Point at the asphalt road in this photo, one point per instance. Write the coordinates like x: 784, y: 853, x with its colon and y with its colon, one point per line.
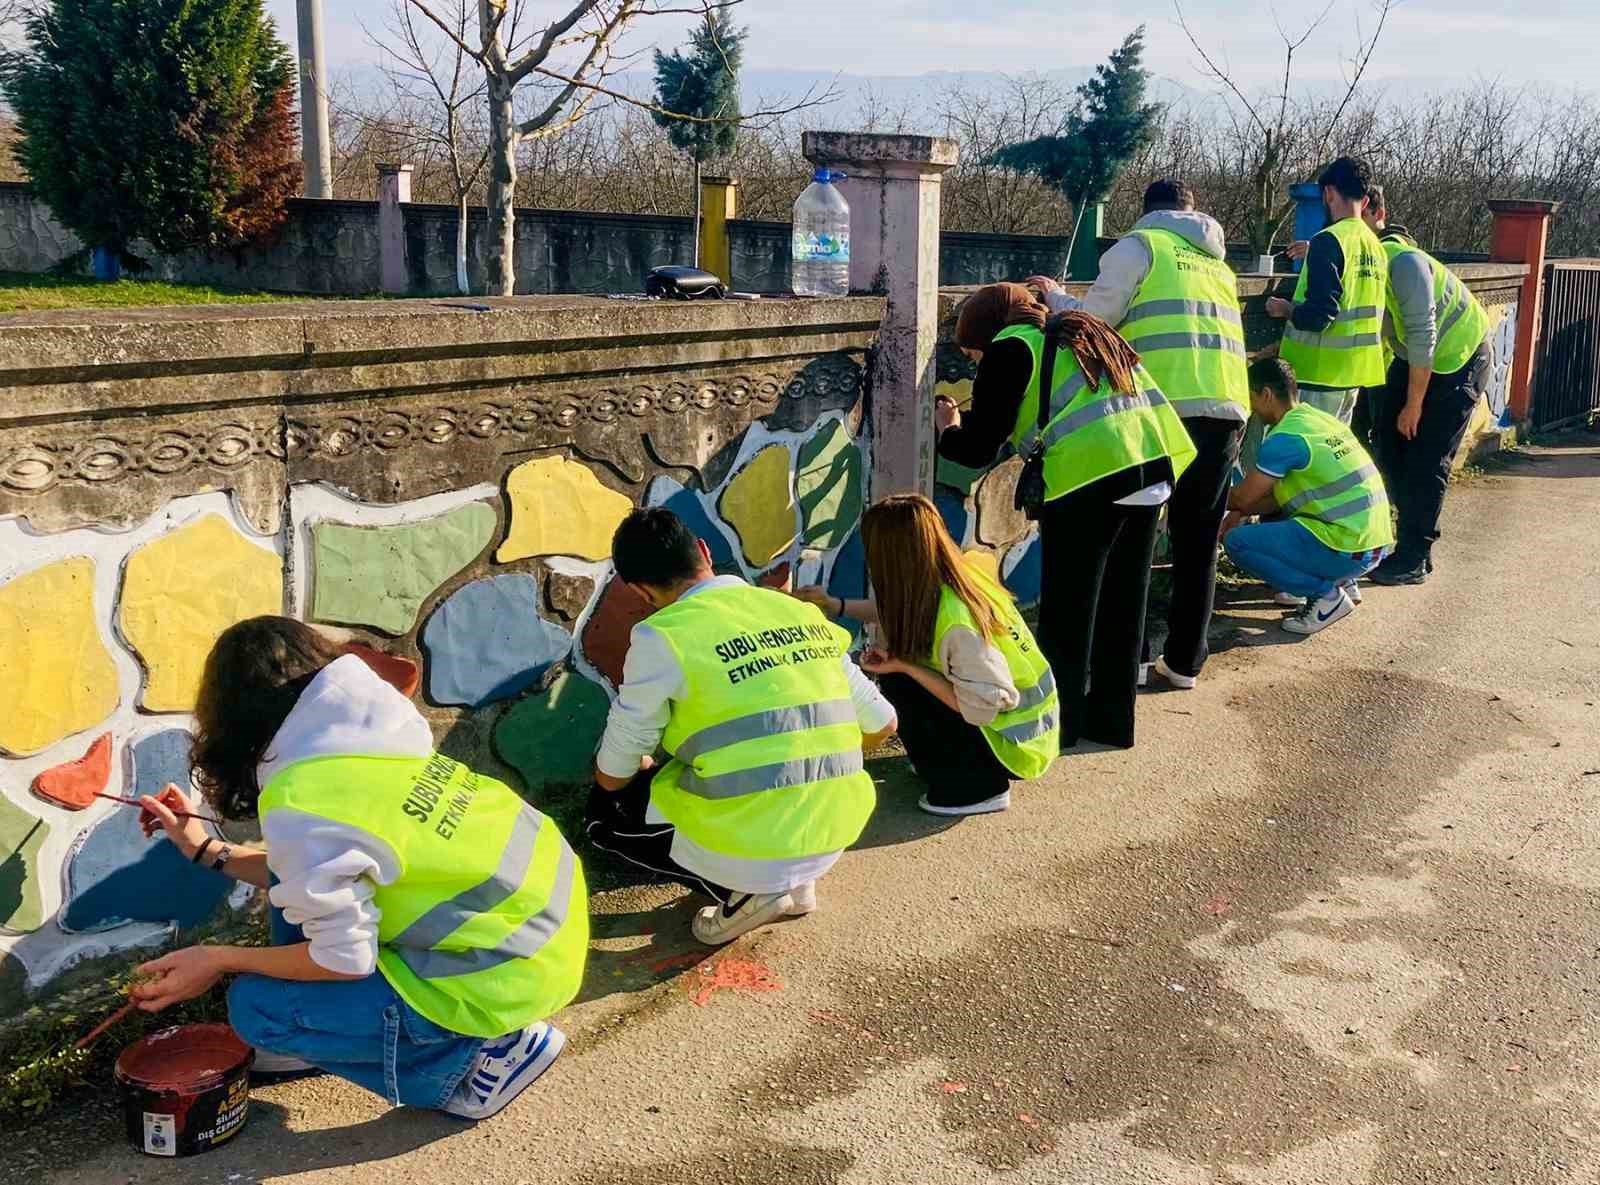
x: 1332, y: 922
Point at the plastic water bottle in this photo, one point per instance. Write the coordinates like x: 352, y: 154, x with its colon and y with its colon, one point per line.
x: 820, y: 253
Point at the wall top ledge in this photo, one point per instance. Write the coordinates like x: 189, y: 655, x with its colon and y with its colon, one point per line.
x: 933, y: 153
x: 1529, y: 207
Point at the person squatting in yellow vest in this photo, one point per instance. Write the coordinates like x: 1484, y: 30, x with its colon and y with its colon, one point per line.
x: 1333, y: 338
x: 974, y: 698
x: 759, y: 717
x: 1326, y: 516
x: 426, y: 921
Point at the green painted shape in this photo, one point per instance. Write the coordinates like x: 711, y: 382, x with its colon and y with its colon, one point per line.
x: 382, y: 576
x: 958, y: 477
x: 550, y: 738
x: 828, y: 483
x: 21, y: 837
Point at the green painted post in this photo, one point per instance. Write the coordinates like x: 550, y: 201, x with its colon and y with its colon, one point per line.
x: 1085, y: 261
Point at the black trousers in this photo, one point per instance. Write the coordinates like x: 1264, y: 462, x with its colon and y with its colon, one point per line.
x: 1417, y: 471
x: 1194, y: 516
x: 615, y: 822
x: 1094, y: 592
x: 951, y: 756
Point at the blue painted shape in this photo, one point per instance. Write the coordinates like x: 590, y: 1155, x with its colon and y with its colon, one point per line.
x: 161, y: 758
x: 1024, y: 580
x: 1310, y: 215
x: 953, y: 509
x: 687, y: 505
x: 116, y: 875
x: 849, y: 577
x: 487, y: 642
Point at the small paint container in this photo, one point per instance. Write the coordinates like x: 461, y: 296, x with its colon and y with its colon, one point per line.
x: 185, y: 1090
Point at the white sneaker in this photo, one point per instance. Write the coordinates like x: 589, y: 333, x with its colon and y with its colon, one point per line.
x: 505, y: 1068
x: 279, y: 1065
x: 1144, y: 673
x: 1181, y: 682
x: 1320, y: 614
x: 1353, y: 591
x: 1289, y: 599
x: 988, y: 806
x: 803, y: 899
x: 717, y: 925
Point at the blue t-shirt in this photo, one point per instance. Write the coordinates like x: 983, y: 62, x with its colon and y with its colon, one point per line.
x: 1282, y: 453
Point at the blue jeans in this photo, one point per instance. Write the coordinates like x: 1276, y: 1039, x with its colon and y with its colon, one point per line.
x: 1293, y: 560
x: 359, y: 1029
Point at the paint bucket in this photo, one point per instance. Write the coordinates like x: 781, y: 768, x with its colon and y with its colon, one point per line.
x: 185, y: 1090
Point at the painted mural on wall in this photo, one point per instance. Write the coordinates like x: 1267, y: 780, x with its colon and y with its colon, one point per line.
x: 494, y: 599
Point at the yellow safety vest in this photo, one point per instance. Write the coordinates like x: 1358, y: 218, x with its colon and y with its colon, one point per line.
x: 486, y: 929
x: 1461, y: 322
x: 1349, y: 353
x: 766, y: 748
x: 1339, y: 496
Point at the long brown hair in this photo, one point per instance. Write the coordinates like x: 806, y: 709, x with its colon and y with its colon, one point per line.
x: 1098, y: 349
x: 253, y: 677
x: 910, y: 557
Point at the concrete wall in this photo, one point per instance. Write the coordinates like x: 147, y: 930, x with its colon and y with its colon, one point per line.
x: 439, y: 481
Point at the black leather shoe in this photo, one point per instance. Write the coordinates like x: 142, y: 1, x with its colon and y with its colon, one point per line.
x: 1393, y: 574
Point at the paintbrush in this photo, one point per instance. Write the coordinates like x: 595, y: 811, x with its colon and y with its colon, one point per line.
x: 140, y: 805
x: 100, y: 1028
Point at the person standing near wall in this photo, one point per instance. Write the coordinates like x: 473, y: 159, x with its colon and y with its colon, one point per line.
x: 1167, y: 288
x: 1333, y: 338
x: 1114, y: 446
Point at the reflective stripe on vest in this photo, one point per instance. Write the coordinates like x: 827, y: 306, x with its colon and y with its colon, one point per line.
x: 1338, y: 496
x: 1184, y: 321
x: 766, y: 747
x: 1460, y: 320
x: 1094, y: 433
x: 1349, y: 353
x: 486, y: 928
x: 1027, y: 738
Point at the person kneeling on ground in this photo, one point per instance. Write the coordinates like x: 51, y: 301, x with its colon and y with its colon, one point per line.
x: 426, y: 919
x: 764, y: 716
x: 1332, y: 515
x: 974, y: 696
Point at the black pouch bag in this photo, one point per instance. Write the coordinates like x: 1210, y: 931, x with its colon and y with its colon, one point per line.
x: 1030, y: 493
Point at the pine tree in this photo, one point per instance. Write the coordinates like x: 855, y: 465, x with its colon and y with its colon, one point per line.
x: 704, y: 85
x: 170, y: 121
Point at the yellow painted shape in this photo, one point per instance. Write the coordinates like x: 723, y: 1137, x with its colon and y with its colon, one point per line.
x: 958, y: 392
x: 56, y: 674
x: 558, y: 507
x: 986, y: 562
x: 759, y: 504
x: 179, y: 592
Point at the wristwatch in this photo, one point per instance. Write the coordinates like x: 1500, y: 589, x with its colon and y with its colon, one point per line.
x: 224, y: 854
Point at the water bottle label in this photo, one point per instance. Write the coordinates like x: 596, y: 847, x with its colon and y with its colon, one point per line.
x: 823, y: 248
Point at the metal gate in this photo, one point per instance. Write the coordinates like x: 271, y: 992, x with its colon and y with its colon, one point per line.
x: 1568, y: 383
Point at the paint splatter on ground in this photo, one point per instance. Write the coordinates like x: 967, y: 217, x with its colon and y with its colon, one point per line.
x: 739, y: 975
x: 1217, y: 904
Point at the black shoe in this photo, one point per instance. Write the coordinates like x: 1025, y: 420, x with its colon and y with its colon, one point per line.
x: 1394, y: 574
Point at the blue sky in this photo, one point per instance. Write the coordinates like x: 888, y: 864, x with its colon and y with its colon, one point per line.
x: 1434, y: 41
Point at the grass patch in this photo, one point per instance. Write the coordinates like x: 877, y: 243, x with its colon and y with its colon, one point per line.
x: 22, y: 292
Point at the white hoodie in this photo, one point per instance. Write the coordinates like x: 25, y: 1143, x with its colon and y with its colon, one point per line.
x: 328, y: 872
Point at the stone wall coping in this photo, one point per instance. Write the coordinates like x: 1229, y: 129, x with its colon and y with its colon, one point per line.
x: 862, y: 148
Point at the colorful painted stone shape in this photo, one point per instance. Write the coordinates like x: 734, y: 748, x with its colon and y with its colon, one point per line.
x: 760, y: 507
x: 396, y: 670
x: 116, y: 875
x: 609, y: 630
x: 953, y: 509
x: 21, y: 837
x: 72, y: 785
x: 828, y: 484
x: 487, y: 642
x: 567, y: 596
x: 559, y: 507
x: 382, y: 576
x: 179, y: 592
x: 986, y: 562
x: 550, y: 738
x: 999, y: 521
x: 687, y: 506
x: 1024, y: 579
x: 161, y: 760
x: 849, y: 577
x: 779, y: 577
x: 56, y: 674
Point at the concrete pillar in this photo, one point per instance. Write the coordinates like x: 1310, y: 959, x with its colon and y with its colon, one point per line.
x: 1520, y: 230
x: 719, y: 199
x: 1085, y: 261
x: 893, y: 189
x: 314, y: 101
x: 394, y: 189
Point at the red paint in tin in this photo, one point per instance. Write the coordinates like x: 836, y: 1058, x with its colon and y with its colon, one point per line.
x: 185, y: 1090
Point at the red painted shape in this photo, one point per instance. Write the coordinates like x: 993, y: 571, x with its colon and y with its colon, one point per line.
x: 74, y: 784
x: 609, y: 631
x: 1218, y: 905
x: 777, y: 578
x: 400, y: 673
x: 737, y: 975
x: 953, y: 1087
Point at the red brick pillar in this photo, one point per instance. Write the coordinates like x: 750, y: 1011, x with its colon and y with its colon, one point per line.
x: 1520, y: 230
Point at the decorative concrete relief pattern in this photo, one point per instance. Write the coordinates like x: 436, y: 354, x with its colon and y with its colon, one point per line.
x: 759, y: 505
x: 999, y: 521
x: 986, y: 562
x: 161, y: 760
x: 558, y: 507
x: 550, y: 738
x: 116, y: 875
x: 686, y: 504
x: 180, y: 592
x: 828, y: 484
x: 487, y: 642
x: 382, y: 576
x: 73, y: 785
x: 849, y: 578
x: 1025, y: 571
x: 21, y: 837
x: 568, y: 596
x: 953, y: 509
x: 56, y: 674
x: 609, y: 630
x: 1502, y: 351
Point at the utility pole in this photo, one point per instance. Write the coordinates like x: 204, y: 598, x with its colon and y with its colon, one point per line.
x: 314, y: 101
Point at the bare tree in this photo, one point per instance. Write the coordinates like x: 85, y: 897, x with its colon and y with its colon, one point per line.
x: 1273, y: 116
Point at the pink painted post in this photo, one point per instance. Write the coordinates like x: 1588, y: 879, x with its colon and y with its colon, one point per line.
x: 394, y: 190
x: 893, y: 191
x: 1520, y: 229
